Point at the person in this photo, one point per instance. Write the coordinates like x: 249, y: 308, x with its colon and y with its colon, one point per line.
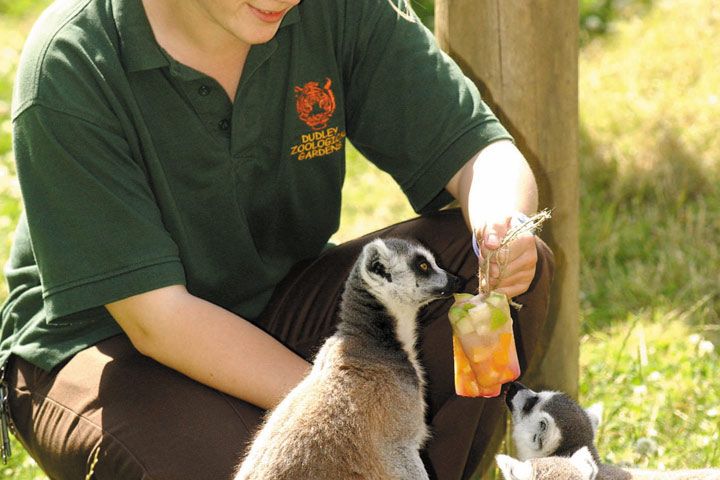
x: 181, y: 164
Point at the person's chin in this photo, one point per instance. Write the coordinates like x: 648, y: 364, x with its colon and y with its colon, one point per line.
x: 259, y: 36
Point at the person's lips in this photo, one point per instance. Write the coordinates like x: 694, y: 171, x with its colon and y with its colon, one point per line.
x: 268, y: 16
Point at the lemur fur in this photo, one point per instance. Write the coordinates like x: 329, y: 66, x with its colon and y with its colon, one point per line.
x: 360, y: 412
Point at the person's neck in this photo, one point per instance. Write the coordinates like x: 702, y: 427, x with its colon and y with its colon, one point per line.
x: 193, y: 38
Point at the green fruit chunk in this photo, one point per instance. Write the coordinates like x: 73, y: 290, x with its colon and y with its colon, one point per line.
x: 456, y: 313
x: 497, y: 299
x: 497, y: 318
x: 462, y: 297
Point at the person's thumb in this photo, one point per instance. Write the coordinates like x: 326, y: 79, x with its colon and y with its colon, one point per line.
x: 494, y: 234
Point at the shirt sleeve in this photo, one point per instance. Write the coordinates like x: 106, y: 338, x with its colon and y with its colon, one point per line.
x: 95, y: 230
x: 411, y: 110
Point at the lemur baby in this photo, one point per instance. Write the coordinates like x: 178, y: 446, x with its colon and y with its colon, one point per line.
x: 551, y: 424
x: 360, y: 412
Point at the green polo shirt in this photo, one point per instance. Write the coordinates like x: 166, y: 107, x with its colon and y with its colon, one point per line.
x: 138, y: 172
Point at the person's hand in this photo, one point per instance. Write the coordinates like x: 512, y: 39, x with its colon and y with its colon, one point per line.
x: 512, y: 268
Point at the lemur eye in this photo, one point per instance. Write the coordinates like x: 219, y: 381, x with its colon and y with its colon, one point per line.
x: 530, y: 404
x: 424, y: 266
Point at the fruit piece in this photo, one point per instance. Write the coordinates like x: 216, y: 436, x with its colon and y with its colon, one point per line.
x: 500, y: 357
x: 480, y: 313
x: 465, y: 383
x: 462, y: 297
x: 467, y: 306
x: 497, y: 317
x: 486, y: 375
x: 456, y: 313
x: 483, y: 330
x: 506, y: 339
x: 471, y: 388
x: 480, y: 353
x: 490, y: 391
x: 497, y: 299
x: 480, y: 316
x: 463, y: 326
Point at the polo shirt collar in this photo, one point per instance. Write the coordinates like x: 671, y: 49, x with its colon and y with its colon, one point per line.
x: 138, y: 48
x: 292, y: 16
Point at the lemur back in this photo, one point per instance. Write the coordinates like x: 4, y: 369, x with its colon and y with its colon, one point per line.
x: 359, y: 414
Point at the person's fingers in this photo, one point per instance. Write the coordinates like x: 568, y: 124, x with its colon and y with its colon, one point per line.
x: 494, y: 232
x: 512, y: 285
x: 520, y: 246
x: 519, y: 255
x: 522, y: 257
x: 516, y: 284
x: 512, y: 290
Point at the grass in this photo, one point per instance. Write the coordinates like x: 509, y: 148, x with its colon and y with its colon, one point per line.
x: 12, y: 35
x: 657, y: 378
x: 650, y: 154
x: 650, y: 220
x: 650, y: 223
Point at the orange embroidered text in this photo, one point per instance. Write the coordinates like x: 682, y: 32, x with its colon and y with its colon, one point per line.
x: 318, y: 144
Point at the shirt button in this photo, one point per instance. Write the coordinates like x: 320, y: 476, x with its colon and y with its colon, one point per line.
x: 204, y: 90
x: 224, y: 124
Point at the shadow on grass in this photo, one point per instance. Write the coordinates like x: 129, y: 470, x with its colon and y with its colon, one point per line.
x: 648, y: 235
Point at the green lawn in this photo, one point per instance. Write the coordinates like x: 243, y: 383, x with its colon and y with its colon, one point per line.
x: 650, y: 224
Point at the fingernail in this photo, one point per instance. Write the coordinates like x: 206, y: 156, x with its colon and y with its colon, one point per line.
x: 492, y: 238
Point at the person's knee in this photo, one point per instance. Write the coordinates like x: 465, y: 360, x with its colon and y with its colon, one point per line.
x: 545, y: 267
x: 533, y: 326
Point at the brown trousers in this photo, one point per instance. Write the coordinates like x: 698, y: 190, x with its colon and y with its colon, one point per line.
x: 146, y: 421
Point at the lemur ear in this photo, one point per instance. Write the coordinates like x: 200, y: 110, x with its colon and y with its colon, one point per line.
x: 595, y: 412
x: 584, y: 461
x: 513, y: 469
x: 376, y: 255
x: 377, y: 267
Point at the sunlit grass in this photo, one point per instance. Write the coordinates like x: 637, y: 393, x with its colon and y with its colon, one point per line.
x: 659, y: 382
x: 12, y: 35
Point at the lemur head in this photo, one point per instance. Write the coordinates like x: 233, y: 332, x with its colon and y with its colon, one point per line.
x: 404, y: 275
x: 549, y: 423
x: 580, y: 466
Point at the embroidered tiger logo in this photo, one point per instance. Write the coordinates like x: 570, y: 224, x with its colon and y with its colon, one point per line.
x: 315, y: 105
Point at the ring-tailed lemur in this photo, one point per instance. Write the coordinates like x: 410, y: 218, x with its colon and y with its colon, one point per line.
x: 360, y: 412
x: 551, y: 424
x: 580, y: 466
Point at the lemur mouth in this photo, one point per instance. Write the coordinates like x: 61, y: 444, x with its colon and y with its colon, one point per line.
x: 537, y: 439
x: 454, y: 284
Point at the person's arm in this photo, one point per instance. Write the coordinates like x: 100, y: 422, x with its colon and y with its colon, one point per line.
x: 492, y: 186
x: 209, y: 344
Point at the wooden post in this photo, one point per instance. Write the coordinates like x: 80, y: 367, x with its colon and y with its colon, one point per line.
x: 523, y: 56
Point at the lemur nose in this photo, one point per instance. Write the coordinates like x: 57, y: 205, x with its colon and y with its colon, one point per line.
x: 455, y: 283
x: 512, y: 389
